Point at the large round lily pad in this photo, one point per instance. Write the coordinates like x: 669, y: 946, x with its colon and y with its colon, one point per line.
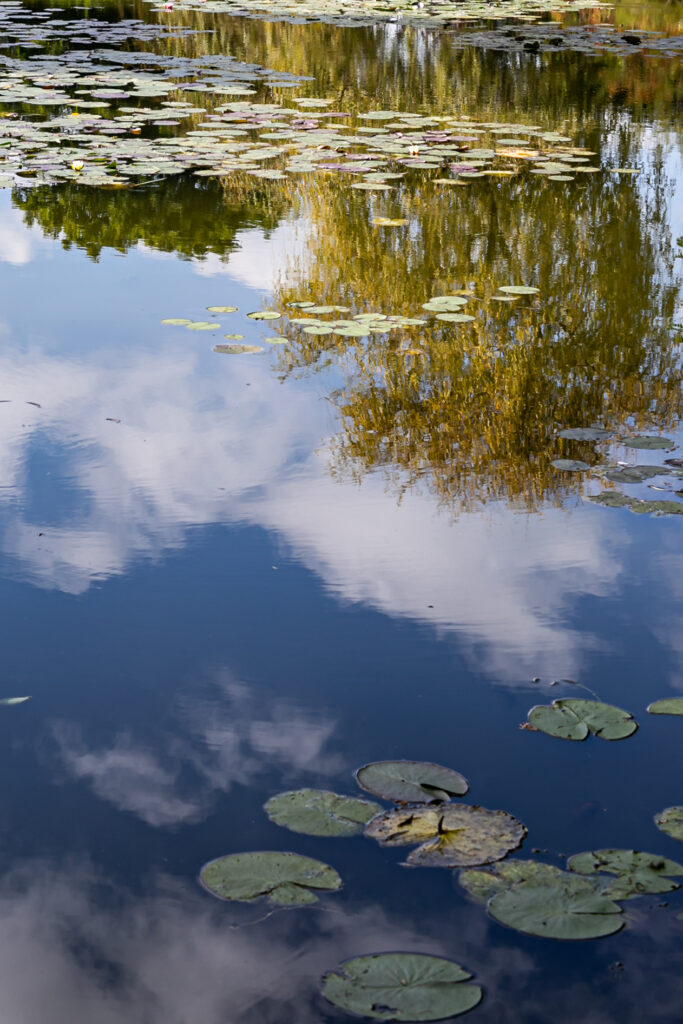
x: 518, y: 289
x: 637, y: 873
x: 670, y: 820
x: 569, y: 908
x: 317, y: 812
x: 411, y: 781
x: 572, y: 719
x: 401, y: 987
x: 459, y: 835
x: 287, y: 879
x: 668, y: 706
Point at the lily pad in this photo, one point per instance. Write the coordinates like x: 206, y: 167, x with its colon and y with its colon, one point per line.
x: 585, y: 434
x: 317, y: 812
x: 201, y: 325
x: 670, y: 821
x: 668, y: 706
x: 518, y: 289
x: 287, y: 879
x: 632, y: 474
x: 401, y: 987
x: 411, y: 781
x: 221, y: 309
x: 9, y: 701
x: 568, y: 908
x: 637, y: 873
x: 265, y: 314
x: 482, y: 885
x: 649, y: 442
x: 573, y: 719
x: 237, y: 350
x: 570, y: 465
x: 176, y: 321
x: 458, y: 835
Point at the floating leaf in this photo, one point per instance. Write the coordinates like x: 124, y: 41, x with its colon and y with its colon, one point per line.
x: 482, y: 885
x: 13, y: 700
x: 233, y: 337
x: 585, y: 434
x: 518, y: 289
x: 570, y: 465
x: 638, y: 873
x: 668, y: 706
x: 287, y: 879
x: 317, y: 812
x: 177, y: 322
x: 632, y: 474
x: 459, y: 835
x: 221, y: 309
x: 649, y: 442
x: 401, y: 987
x: 455, y: 318
x: 201, y: 325
x: 572, y: 719
x: 568, y: 908
x: 237, y: 350
x: 411, y: 781
x: 265, y: 314
x: 670, y: 821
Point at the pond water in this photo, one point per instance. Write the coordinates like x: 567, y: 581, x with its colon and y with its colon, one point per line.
x: 226, y: 575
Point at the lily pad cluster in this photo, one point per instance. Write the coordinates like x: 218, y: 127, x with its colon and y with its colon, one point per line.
x: 576, y: 719
x: 557, y: 37
x: 367, y: 12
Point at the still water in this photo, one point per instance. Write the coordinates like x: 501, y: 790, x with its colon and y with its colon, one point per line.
x: 224, y: 576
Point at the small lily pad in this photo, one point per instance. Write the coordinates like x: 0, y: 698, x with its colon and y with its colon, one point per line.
x: 287, y: 879
x: 221, y: 309
x: 569, y: 908
x: 317, y: 812
x: 573, y: 719
x: 201, y: 325
x: 668, y: 706
x: 670, y: 821
x: 264, y: 314
x: 175, y: 321
x: 518, y: 289
x: 585, y: 434
x: 9, y: 701
x: 401, y: 987
x: 457, y: 835
x: 649, y: 442
x: 237, y: 350
x: 411, y: 781
x: 570, y: 465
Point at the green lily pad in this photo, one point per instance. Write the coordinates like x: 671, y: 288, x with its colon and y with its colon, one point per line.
x: 482, y: 885
x: 201, y: 325
x: 265, y: 314
x: 287, y: 879
x: 570, y: 465
x: 612, y: 499
x: 518, y: 289
x: 457, y: 835
x: 585, y: 434
x: 176, y: 321
x: 632, y: 474
x: 568, y: 908
x: 317, y: 812
x: 637, y: 873
x: 233, y: 337
x: 670, y: 821
x: 455, y: 318
x: 668, y: 706
x: 401, y: 987
x: 221, y: 309
x: 411, y: 781
x: 573, y: 719
x: 649, y: 442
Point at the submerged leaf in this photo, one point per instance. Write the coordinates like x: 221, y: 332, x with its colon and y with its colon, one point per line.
x: 237, y: 350
x: 568, y: 908
x: 317, y: 812
x: 411, y: 781
x: 285, y: 878
x: 458, y: 835
x: 401, y: 987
